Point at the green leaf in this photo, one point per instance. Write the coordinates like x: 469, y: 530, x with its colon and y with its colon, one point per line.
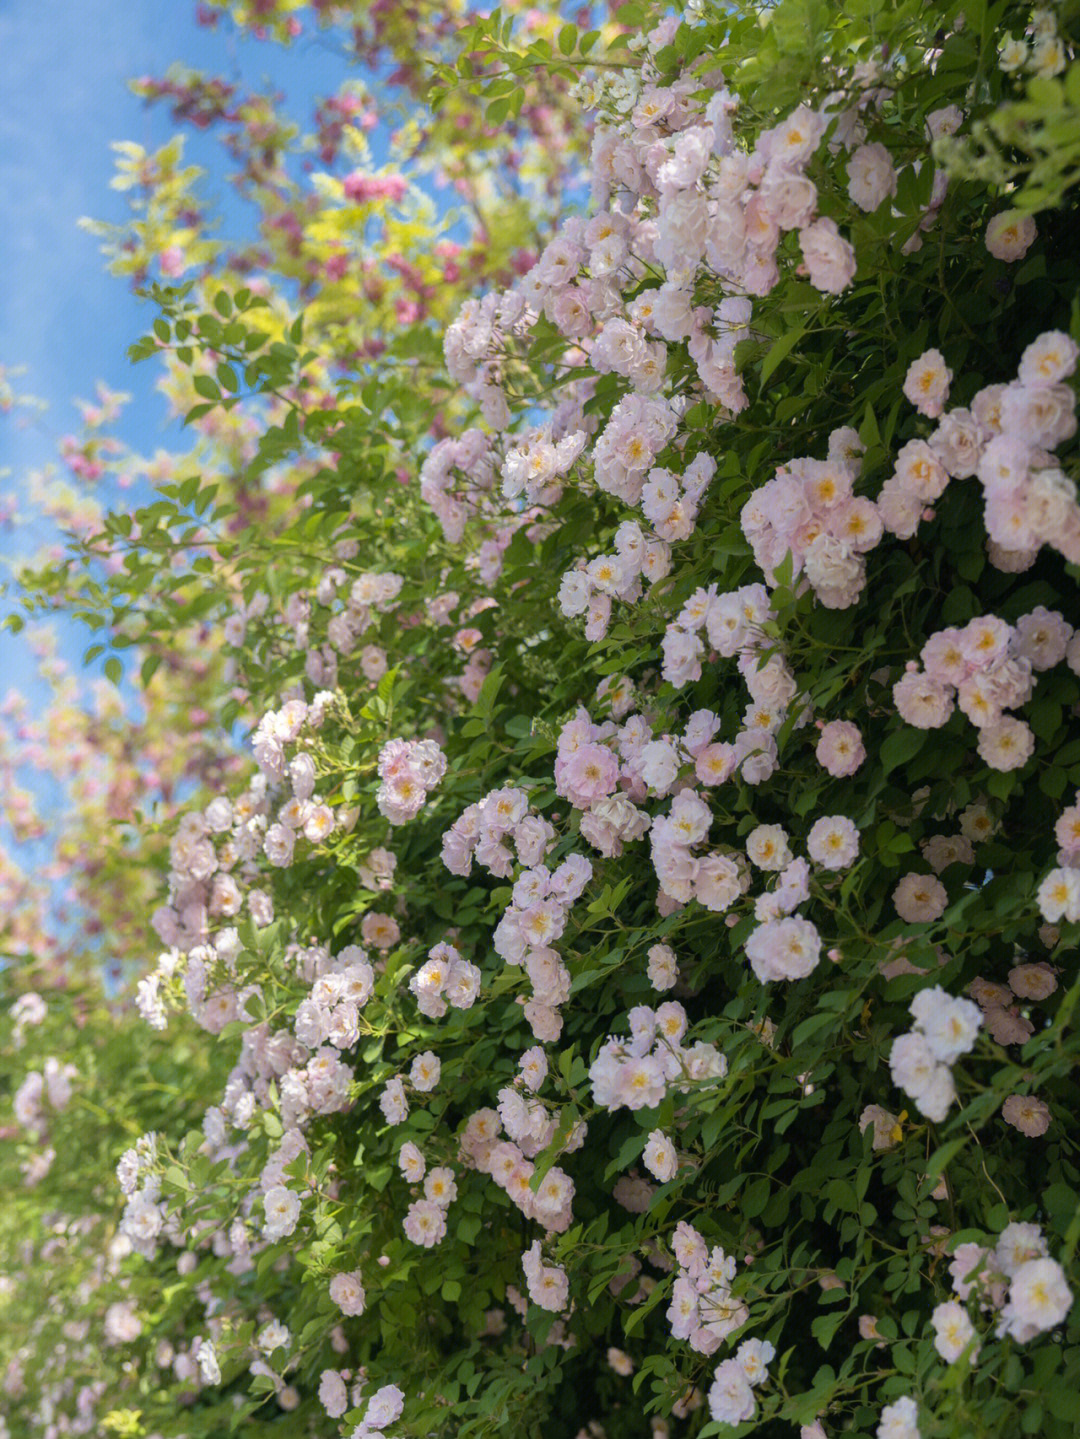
x: 868, y: 430
x: 901, y: 746
x: 824, y: 1327
x: 205, y: 386
x: 756, y: 1197
x: 941, y: 1158
x: 1063, y: 1401
x: 629, y: 1150
x: 227, y: 377
x: 468, y: 1228
x: 780, y: 350
x: 1000, y: 783
x: 485, y: 700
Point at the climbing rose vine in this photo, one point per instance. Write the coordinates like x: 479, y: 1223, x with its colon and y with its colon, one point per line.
x: 611, y: 969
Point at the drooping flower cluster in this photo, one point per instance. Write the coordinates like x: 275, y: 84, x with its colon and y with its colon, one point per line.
x: 409, y: 770
x: 445, y: 978
x: 326, y: 624
x: 986, y: 668
x: 332, y: 1012
x: 469, y: 456
x: 1005, y: 438
x: 1059, y: 893
x: 1016, y: 1279
x: 733, y: 624
x: 1040, y: 49
x: 144, y: 1215
x: 703, y: 1308
x: 639, y: 1072
x: 425, y: 1219
x: 531, y: 924
x: 547, y: 1283
x: 485, y: 831
x: 541, y: 898
x: 535, y: 463
x: 669, y: 502
x: 694, y: 209
x: 921, y: 1061
x: 809, y: 511
x: 530, y: 1127
x: 731, y: 1395
x: 50, y: 1086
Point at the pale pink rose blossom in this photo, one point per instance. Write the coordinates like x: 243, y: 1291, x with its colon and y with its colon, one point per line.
x: 660, y: 1158
x: 829, y: 258
x: 922, y: 701
x: 953, y: 1331
x: 840, y: 749
x: 833, y: 842
x: 1007, y: 744
x: 1027, y: 1114
x: 1010, y: 235
x: 347, y: 1292
x: 424, y: 1223
x: 927, y: 381
x: 919, y: 898
x: 1032, y: 981
x: 872, y: 176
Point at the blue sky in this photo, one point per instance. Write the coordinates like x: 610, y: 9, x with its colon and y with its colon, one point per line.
x: 63, y: 99
x: 64, y: 67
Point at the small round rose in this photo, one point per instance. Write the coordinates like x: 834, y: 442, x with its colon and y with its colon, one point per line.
x: 767, y: 847
x: 1039, y: 1297
x: 1010, y: 235
x: 347, y: 1292
x: 1032, y: 981
x: 921, y: 701
x: 1007, y: 744
x: 1027, y: 1114
x: 662, y: 970
x: 920, y: 898
x: 840, y: 749
x: 953, y: 1331
x: 926, y: 383
x: 620, y: 1362
x: 833, y: 842
x: 660, y: 1158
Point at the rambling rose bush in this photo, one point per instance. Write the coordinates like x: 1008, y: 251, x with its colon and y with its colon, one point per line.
x: 618, y: 1013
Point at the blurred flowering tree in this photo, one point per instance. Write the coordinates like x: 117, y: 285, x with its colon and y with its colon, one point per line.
x: 589, y: 998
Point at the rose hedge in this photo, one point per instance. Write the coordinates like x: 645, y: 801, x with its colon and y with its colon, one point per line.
x: 634, y: 980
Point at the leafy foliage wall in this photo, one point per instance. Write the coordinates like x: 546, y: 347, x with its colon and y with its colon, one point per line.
x: 603, y: 796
